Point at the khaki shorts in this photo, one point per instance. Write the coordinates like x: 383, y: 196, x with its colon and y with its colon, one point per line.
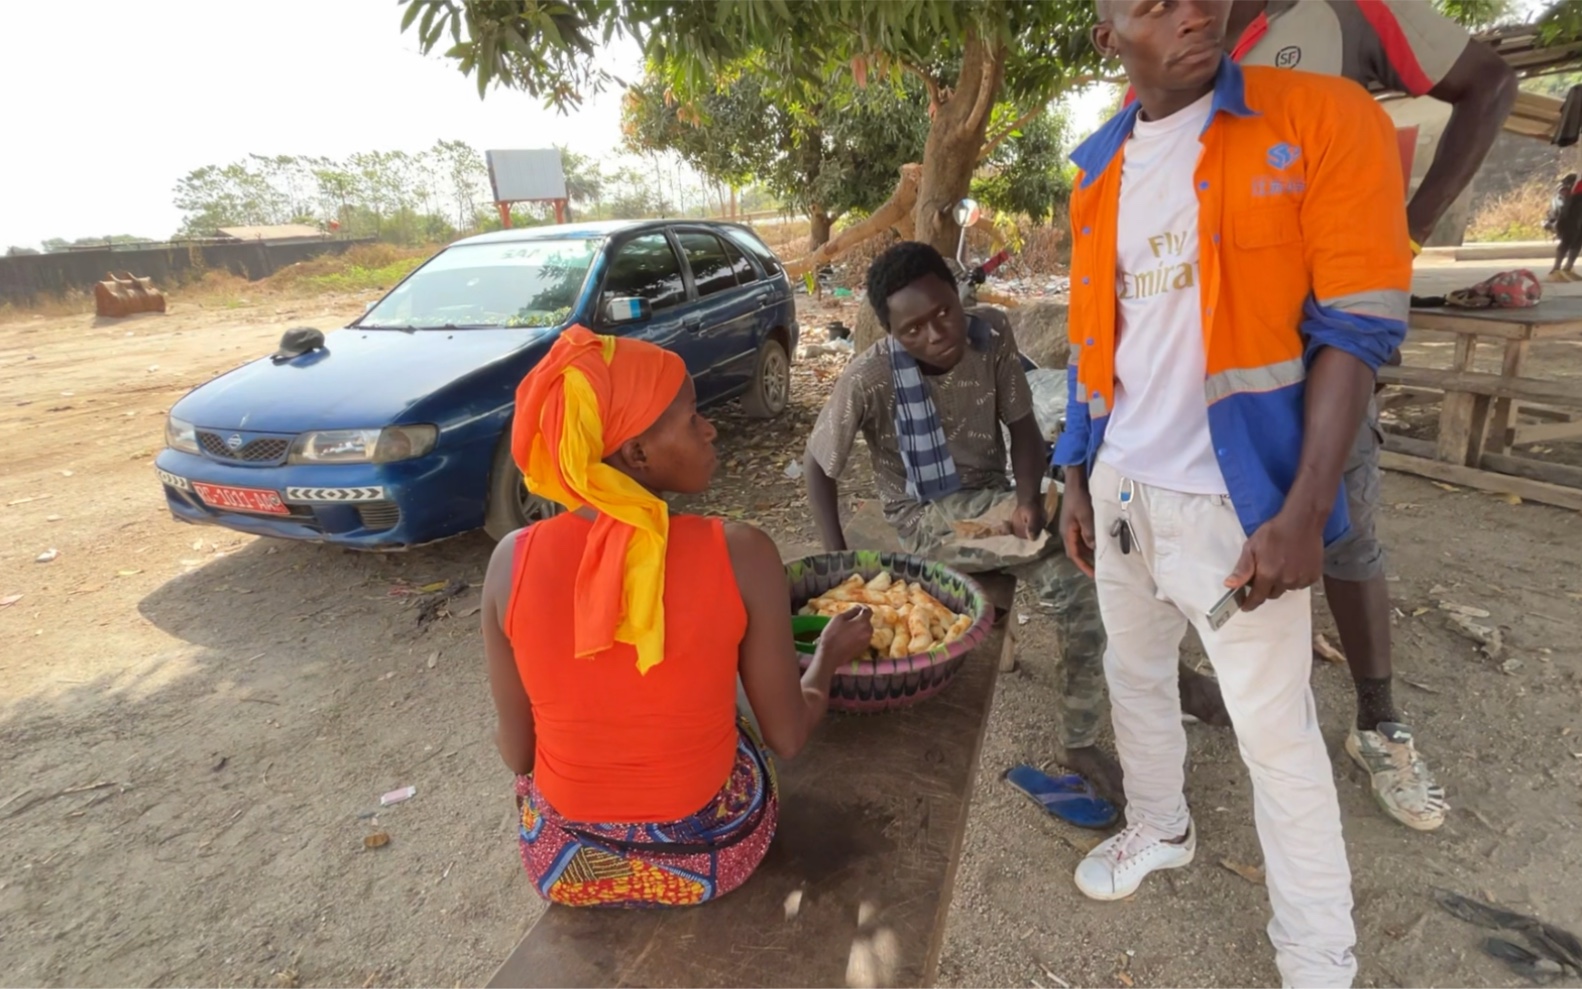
x: 1357, y: 556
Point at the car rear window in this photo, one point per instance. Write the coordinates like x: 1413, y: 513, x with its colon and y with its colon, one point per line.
x: 752, y: 245
x: 745, y: 273
x: 711, y: 269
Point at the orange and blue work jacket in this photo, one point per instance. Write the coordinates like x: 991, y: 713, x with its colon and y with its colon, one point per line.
x: 1302, y: 245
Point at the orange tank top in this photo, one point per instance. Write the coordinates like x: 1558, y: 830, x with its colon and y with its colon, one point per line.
x: 614, y: 745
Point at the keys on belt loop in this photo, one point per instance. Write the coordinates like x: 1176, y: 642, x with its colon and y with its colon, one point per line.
x: 1122, y: 529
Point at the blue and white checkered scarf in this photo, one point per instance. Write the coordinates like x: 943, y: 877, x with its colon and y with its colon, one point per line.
x: 930, y: 469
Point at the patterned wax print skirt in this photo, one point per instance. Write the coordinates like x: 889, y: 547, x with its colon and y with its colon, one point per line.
x: 678, y: 863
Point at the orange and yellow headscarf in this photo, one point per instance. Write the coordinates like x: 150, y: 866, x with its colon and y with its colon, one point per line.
x: 587, y: 396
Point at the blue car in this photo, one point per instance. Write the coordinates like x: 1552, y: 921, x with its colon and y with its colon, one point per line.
x: 395, y: 430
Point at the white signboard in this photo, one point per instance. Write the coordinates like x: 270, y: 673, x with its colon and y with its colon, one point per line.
x: 519, y: 176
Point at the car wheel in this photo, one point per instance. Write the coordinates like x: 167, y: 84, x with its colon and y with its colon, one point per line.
x: 770, y: 390
x: 511, y: 506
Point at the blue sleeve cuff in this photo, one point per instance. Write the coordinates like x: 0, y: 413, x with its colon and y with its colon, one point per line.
x: 1370, y: 339
x: 1072, y: 447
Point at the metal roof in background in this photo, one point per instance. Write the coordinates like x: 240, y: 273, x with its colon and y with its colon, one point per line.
x: 281, y: 231
x: 526, y: 175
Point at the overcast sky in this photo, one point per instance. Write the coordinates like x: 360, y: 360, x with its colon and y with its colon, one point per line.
x: 107, y: 103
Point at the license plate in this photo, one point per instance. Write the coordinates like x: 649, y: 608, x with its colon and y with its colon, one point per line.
x: 241, y: 499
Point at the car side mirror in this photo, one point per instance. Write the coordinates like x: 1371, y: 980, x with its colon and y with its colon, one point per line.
x: 627, y: 309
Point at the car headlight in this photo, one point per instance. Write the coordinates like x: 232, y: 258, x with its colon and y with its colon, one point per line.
x: 181, y: 436
x: 363, y: 446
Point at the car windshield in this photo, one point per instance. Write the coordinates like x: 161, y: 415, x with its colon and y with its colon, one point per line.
x: 503, y: 284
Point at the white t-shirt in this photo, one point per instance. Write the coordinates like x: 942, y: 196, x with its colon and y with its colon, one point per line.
x: 1158, y: 430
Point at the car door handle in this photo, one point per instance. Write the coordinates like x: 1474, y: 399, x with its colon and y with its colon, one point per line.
x: 692, y: 322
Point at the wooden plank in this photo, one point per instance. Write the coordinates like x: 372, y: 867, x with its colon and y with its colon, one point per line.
x: 1482, y: 480
x: 1556, y: 318
x: 1536, y: 470
x: 1546, y: 432
x: 1452, y: 321
x: 1478, y: 383
x: 872, y: 812
x: 1504, y: 413
x: 1495, y: 463
x: 1402, y: 398
x: 1460, y: 415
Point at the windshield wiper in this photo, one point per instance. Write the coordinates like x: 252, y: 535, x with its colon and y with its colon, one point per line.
x: 408, y: 328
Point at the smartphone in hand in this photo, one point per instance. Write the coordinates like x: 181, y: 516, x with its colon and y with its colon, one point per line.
x: 1226, y: 607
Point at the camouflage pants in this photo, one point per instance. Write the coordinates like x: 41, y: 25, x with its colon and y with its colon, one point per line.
x: 1060, y: 586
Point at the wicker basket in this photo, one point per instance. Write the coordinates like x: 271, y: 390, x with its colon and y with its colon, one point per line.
x: 884, y: 684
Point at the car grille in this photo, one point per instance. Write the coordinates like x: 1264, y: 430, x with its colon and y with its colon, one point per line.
x: 378, y: 516
x: 268, y: 450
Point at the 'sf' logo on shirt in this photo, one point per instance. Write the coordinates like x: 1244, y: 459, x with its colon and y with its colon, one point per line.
x: 1283, y: 155
x: 1287, y: 57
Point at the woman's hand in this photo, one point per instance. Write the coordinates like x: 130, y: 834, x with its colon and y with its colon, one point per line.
x: 847, y: 636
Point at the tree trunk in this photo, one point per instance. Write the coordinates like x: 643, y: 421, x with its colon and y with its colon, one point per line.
x: 955, y: 136
x: 893, y: 213
x: 819, y: 224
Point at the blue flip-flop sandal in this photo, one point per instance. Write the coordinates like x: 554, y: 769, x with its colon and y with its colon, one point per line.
x: 1068, y: 798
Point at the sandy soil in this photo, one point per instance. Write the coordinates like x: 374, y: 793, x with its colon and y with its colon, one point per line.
x: 198, y: 726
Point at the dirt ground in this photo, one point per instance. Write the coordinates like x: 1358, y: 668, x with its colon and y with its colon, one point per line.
x: 198, y: 726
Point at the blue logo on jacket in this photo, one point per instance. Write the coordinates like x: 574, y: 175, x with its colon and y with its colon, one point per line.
x: 1283, y: 155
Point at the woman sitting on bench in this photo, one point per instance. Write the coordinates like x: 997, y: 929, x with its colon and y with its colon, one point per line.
x: 615, y: 634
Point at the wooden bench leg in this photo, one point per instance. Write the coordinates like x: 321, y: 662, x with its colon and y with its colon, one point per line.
x: 1502, y: 431
x: 1463, y: 417
x: 1008, y: 646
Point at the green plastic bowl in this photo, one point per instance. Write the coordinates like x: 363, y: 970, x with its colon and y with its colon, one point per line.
x: 805, y: 630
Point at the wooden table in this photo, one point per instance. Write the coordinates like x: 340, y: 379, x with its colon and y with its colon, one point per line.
x: 1478, y: 424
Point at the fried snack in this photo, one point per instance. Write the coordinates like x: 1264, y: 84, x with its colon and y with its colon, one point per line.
x: 906, y: 618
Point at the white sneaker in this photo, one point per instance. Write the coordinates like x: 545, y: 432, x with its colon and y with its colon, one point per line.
x: 1115, y: 869
x: 1400, y: 780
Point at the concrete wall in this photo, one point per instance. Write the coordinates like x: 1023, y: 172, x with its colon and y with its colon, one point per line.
x: 26, y: 278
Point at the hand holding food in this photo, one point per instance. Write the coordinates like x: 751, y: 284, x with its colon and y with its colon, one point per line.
x: 906, y: 619
x: 846, y: 637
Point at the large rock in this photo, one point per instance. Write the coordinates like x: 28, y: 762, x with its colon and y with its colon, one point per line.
x: 1040, y: 330
x: 867, y: 332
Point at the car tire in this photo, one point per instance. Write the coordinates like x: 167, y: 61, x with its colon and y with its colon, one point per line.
x: 769, y: 392
x: 511, y: 506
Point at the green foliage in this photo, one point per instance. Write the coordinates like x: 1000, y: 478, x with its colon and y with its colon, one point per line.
x: 1027, y: 174
x: 394, y: 196
x: 968, y: 55
x: 357, y: 278
x: 825, y: 158
x: 528, y: 318
x: 16, y: 251
x: 54, y: 244
x: 547, y: 47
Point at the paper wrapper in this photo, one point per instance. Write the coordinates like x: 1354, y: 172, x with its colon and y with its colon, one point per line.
x: 991, y: 534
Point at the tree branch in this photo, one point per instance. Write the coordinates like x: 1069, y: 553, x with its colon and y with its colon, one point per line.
x: 988, y: 87
x: 998, y: 139
x: 928, y: 81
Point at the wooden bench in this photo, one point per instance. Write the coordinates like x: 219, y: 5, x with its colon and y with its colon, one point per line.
x: 872, y: 817
x: 1478, y: 417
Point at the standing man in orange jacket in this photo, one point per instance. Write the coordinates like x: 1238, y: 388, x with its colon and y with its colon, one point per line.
x: 1240, y: 268
x: 1403, y: 46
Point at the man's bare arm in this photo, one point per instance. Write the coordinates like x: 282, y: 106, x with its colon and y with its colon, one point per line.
x: 1481, y: 89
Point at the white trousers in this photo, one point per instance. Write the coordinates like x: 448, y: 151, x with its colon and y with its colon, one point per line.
x: 1183, y: 548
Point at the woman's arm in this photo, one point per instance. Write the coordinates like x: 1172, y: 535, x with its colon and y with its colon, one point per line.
x: 787, y: 704
x: 514, y: 736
